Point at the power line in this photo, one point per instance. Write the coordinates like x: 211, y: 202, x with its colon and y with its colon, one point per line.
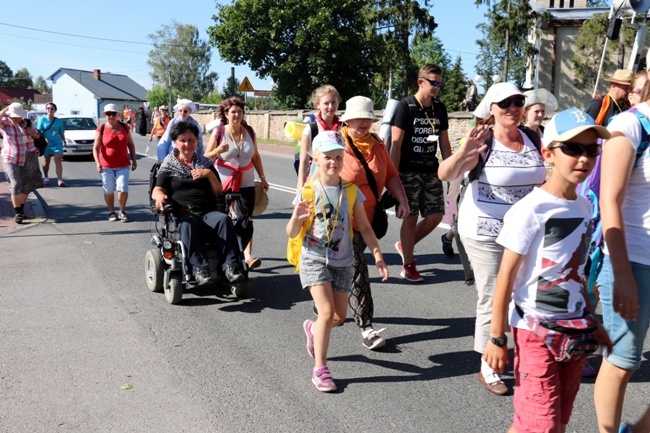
x: 91, y: 37
x: 70, y: 45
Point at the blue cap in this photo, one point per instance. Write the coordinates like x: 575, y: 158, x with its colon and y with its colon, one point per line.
x: 326, y: 141
x: 568, y: 123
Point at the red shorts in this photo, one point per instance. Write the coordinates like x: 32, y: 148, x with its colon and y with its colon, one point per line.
x: 544, y: 388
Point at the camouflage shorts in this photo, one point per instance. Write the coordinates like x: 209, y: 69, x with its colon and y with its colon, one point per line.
x: 424, y: 193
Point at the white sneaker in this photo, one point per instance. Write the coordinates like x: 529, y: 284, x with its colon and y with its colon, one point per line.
x: 372, y: 340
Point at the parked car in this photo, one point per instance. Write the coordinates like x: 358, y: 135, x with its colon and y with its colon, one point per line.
x: 79, y: 135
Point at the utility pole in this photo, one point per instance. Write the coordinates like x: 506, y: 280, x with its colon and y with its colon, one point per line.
x: 505, y: 60
x: 169, y: 92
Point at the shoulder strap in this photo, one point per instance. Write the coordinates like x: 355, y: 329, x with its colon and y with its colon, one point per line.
x: 532, y: 136
x: 220, y: 131
x: 645, y: 135
x: 250, y: 131
x: 476, y: 171
x: 372, y: 182
x: 314, y: 129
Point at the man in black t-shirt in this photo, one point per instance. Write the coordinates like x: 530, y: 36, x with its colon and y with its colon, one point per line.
x: 418, y: 127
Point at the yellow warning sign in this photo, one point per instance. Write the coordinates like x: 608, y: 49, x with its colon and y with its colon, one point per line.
x: 245, y: 86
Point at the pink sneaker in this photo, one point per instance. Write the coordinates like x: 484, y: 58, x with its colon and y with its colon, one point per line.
x: 46, y: 181
x: 410, y: 273
x: 322, y: 379
x: 306, y: 325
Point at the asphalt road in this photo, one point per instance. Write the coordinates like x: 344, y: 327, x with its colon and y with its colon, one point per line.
x: 78, y: 324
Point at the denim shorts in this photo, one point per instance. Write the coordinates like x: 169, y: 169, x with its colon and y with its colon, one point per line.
x: 115, y: 179
x: 314, y: 273
x: 627, y: 336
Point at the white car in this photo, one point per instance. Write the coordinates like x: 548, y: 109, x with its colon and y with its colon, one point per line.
x: 79, y: 135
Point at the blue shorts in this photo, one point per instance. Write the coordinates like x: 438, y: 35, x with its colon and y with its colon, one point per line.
x: 56, y: 149
x: 115, y: 179
x: 627, y: 337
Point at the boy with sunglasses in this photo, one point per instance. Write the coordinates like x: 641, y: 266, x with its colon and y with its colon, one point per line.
x: 418, y: 127
x: 546, y: 236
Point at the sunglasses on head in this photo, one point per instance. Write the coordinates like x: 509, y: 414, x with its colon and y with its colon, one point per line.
x: 517, y: 100
x: 578, y: 149
x: 434, y: 83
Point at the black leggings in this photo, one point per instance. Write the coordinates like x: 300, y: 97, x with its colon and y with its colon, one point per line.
x: 360, y: 300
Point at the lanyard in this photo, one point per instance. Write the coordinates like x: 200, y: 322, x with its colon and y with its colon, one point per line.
x: 329, y: 234
x: 433, y: 128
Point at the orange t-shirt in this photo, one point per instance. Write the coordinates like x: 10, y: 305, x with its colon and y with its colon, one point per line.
x: 379, y: 162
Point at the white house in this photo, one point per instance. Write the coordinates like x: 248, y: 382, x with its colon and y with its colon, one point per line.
x: 86, y: 93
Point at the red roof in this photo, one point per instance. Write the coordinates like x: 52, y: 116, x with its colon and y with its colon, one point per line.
x: 8, y: 94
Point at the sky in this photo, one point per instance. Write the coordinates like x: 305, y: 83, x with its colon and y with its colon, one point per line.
x: 34, y: 44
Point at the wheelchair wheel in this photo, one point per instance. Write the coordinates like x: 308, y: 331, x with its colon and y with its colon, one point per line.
x: 173, y: 287
x: 153, y: 270
x: 239, y: 289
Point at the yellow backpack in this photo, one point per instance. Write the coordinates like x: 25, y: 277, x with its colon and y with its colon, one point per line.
x: 294, y: 246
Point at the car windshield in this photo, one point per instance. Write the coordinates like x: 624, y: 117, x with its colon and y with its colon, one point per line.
x: 79, y: 123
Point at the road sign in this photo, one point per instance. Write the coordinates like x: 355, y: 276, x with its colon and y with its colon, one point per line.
x: 245, y: 86
x: 262, y: 93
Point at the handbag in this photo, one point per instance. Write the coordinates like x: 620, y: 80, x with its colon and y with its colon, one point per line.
x: 379, y: 221
x: 41, y: 142
x: 566, y: 339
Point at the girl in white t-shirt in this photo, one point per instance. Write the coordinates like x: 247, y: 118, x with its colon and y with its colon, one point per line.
x: 327, y: 252
x: 326, y: 99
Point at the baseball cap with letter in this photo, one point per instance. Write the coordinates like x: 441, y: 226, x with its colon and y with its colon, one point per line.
x: 568, y: 123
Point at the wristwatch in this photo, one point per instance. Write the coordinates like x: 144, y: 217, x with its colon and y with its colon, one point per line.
x: 499, y: 341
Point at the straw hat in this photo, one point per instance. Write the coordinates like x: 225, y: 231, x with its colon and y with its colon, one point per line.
x: 622, y: 76
x: 261, y: 199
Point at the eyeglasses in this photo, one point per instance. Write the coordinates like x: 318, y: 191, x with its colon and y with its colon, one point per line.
x: 578, y: 149
x: 434, y: 83
x: 506, y: 103
x: 111, y: 113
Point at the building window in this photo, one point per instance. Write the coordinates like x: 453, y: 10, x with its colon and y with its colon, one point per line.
x: 551, y: 3
x: 571, y: 4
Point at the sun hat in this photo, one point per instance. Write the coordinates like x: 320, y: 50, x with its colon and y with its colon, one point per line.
x: 16, y: 110
x: 359, y: 107
x: 162, y: 107
x: 568, y: 123
x: 261, y: 199
x: 326, y: 141
x: 541, y: 96
x: 500, y: 91
x: 189, y: 104
x: 482, y: 110
x: 110, y: 108
x: 621, y: 76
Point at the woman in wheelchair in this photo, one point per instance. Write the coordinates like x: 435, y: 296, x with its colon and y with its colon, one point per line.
x: 191, y: 183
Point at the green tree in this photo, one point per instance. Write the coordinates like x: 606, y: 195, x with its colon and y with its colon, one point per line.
x: 394, y: 24
x: 589, y: 51
x: 22, y: 79
x: 454, y: 90
x: 41, y: 85
x: 300, y: 45
x: 158, y: 95
x: 6, y: 74
x: 505, y: 45
x: 181, y: 56
x: 230, y: 88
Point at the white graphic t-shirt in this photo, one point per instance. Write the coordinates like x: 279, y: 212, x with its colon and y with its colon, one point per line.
x: 328, y: 240
x: 506, y: 178
x: 553, y: 234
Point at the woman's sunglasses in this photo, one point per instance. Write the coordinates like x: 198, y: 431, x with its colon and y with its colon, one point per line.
x: 577, y: 149
x: 517, y: 100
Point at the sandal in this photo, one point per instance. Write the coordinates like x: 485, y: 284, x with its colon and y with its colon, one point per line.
x: 112, y: 217
x: 253, y: 263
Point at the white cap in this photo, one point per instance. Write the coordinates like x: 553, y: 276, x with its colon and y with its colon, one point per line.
x: 541, y: 96
x: 110, y: 108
